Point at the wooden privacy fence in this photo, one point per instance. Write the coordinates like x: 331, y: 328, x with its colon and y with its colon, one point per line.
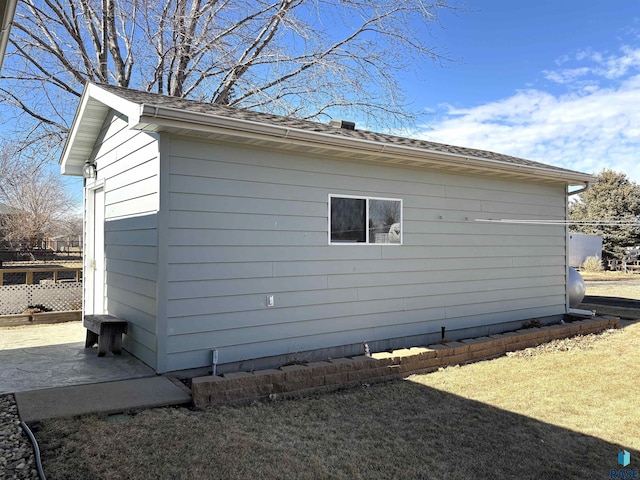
x: 625, y: 266
x: 14, y: 299
x: 55, y: 288
x: 31, y: 276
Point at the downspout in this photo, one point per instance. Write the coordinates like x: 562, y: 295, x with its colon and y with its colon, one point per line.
x: 586, y: 187
x: 574, y: 312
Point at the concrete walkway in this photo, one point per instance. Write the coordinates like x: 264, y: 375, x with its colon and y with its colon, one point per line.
x: 107, y: 398
x: 52, y: 374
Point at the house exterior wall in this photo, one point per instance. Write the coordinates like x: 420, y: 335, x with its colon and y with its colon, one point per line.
x: 243, y: 224
x: 128, y: 170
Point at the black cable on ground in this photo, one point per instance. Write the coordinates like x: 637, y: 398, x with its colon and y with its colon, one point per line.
x: 36, y: 450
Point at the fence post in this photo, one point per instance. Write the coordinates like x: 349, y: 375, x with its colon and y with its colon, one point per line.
x: 1, y: 278
x: 29, y: 277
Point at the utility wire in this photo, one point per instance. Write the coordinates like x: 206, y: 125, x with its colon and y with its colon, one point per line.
x: 603, y: 223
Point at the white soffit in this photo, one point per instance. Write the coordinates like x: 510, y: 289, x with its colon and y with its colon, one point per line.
x: 94, y: 106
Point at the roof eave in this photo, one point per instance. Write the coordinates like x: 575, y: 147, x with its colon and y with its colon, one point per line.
x: 66, y: 165
x: 96, y: 102
x: 157, y: 118
x: 84, y: 131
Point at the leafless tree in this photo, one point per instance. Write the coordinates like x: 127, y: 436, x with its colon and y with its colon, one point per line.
x: 311, y: 59
x: 36, y: 203
x: 71, y: 226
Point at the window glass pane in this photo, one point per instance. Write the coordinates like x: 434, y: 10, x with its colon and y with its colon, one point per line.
x: 348, y: 220
x: 384, y: 221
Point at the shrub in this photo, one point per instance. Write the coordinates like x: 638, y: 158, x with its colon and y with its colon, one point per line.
x: 592, y: 264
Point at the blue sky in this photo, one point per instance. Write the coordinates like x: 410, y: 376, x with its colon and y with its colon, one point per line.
x: 552, y: 81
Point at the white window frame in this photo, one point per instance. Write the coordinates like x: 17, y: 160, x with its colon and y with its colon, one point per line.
x: 366, y: 226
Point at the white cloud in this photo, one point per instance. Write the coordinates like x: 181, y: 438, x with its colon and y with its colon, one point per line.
x: 568, y: 75
x: 613, y: 66
x: 597, y: 65
x: 595, y: 127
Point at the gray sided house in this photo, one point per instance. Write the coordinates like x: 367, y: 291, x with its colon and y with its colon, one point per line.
x: 271, y: 239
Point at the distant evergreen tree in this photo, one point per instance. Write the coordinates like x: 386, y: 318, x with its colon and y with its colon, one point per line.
x: 612, y: 197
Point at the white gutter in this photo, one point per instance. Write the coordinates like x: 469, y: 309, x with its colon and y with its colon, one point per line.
x: 7, y: 12
x: 151, y: 115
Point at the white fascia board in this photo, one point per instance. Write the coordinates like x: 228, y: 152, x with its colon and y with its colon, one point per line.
x: 71, y: 170
x: 115, y: 102
x: 72, y: 159
x: 173, y: 117
x: 66, y: 166
x: 151, y: 115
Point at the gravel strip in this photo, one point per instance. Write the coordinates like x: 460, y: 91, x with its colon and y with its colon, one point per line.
x: 17, y: 460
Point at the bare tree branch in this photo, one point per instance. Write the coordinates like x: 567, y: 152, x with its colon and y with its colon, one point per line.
x: 27, y: 110
x: 312, y: 59
x: 252, y: 52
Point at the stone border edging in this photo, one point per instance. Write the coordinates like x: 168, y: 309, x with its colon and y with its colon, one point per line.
x: 334, y: 374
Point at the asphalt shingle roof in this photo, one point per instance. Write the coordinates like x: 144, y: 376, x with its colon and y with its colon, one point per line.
x: 154, y: 99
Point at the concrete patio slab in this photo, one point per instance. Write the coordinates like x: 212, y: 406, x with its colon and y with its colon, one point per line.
x: 43, y: 356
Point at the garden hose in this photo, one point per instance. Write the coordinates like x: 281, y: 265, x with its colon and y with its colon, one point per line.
x: 36, y: 450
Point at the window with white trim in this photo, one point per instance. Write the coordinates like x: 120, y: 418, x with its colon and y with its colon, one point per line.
x: 365, y: 220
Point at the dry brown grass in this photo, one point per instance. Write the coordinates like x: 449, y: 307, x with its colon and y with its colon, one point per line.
x: 608, y: 275
x: 624, y: 313
x: 589, y: 390
x: 556, y: 414
x: 621, y: 290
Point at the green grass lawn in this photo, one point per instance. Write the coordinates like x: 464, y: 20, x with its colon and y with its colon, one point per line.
x: 562, y: 411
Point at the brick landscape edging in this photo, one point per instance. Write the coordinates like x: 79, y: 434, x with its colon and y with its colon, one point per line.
x: 298, y: 380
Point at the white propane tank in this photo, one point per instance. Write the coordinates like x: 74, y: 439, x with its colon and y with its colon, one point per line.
x: 576, y: 288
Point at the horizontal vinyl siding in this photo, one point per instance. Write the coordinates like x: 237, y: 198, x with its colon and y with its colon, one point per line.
x: 244, y: 224
x: 128, y: 164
